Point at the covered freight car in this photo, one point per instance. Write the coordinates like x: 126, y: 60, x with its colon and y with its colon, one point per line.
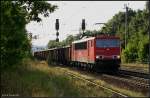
x: 59, y: 55
x: 41, y: 55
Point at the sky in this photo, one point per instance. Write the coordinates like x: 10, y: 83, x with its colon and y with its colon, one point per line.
x: 70, y: 15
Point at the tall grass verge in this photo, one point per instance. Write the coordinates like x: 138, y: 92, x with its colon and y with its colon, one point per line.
x: 36, y: 78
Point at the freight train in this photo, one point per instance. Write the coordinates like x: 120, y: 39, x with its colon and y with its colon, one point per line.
x: 101, y: 52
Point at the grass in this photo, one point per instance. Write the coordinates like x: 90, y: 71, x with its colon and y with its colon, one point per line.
x: 37, y: 79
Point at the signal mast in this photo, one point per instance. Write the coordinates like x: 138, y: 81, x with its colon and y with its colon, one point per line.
x: 57, y: 28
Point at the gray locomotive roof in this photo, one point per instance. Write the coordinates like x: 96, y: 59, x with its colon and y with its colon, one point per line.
x: 83, y: 40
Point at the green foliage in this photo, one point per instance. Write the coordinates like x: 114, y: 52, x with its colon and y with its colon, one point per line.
x: 14, y: 17
x: 54, y: 44
x: 143, y: 49
x: 130, y: 53
x: 34, y: 8
x: 69, y: 39
x: 89, y: 33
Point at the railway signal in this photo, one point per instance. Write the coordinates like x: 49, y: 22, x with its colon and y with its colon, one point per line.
x: 83, y: 27
x: 57, y: 28
x: 83, y: 24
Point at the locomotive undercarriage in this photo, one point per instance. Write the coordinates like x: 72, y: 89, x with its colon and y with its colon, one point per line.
x: 101, y: 66
x: 107, y: 65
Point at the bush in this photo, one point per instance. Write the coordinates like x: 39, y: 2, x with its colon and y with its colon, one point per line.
x: 130, y: 53
x: 143, y: 49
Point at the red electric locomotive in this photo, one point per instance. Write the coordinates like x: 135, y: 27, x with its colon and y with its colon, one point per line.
x: 97, y: 52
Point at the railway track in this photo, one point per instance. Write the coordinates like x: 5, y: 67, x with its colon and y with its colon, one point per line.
x: 91, y: 81
x: 122, y: 79
x: 140, y: 80
x: 134, y: 73
x: 128, y: 81
x: 131, y: 79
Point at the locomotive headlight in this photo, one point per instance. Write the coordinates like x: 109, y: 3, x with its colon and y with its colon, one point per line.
x: 118, y: 56
x: 97, y: 57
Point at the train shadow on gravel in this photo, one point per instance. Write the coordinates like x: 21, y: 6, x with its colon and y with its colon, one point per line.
x: 98, y: 72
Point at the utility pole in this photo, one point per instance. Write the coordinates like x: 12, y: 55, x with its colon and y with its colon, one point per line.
x: 126, y: 23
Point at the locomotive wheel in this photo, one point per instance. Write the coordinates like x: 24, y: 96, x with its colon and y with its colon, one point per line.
x: 89, y: 67
x: 73, y: 64
x: 85, y: 66
x: 81, y: 66
x: 94, y: 67
x: 78, y: 64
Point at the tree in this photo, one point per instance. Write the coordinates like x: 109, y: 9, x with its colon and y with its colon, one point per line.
x: 14, y: 17
x: 54, y: 44
x: 69, y: 39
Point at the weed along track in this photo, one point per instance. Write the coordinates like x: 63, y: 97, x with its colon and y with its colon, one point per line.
x: 116, y: 83
x: 96, y: 84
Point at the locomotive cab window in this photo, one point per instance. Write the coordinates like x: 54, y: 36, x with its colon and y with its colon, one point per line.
x: 82, y: 45
x: 107, y: 43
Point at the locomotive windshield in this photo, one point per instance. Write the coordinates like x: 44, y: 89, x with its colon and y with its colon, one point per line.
x: 107, y: 43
